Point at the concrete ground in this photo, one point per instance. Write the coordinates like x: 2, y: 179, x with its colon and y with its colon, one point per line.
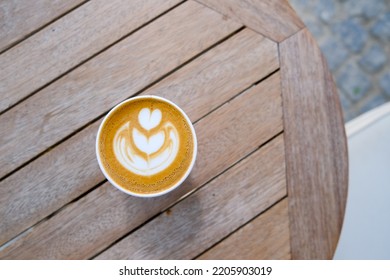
x: 354, y: 35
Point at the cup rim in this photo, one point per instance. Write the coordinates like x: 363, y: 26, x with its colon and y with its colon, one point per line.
x: 184, y: 177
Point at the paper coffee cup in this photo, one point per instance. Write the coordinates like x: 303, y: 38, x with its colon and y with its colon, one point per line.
x: 146, y: 146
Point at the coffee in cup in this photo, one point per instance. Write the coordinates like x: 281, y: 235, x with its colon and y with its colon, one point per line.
x: 146, y: 146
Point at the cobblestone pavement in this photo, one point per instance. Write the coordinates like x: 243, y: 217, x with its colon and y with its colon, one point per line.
x: 354, y: 36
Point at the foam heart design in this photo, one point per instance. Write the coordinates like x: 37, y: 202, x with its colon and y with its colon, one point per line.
x: 148, y: 145
x: 128, y: 140
x: 149, y: 120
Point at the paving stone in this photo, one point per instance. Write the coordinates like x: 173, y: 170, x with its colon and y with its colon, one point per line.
x: 347, y: 106
x: 353, y: 81
x: 315, y: 28
x: 325, y: 10
x: 373, y: 8
x: 381, y: 29
x: 349, y: 115
x: 345, y: 102
x: 352, y: 34
x: 385, y: 83
x: 372, y: 103
x: 374, y: 59
x: 335, y: 53
x: 354, y: 7
x: 366, y: 8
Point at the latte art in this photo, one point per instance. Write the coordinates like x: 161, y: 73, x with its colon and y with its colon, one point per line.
x: 143, y: 152
x: 146, y: 146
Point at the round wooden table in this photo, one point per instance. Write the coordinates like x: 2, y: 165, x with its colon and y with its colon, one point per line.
x: 270, y: 180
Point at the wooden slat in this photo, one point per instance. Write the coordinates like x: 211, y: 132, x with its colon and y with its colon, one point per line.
x: 96, y: 86
x: 266, y: 237
x: 19, y: 18
x: 48, y: 183
x: 205, y: 217
x: 87, y: 226
x: 316, y: 151
x: 274, y: 19
x: 211, y: 79
x: 69, y: 41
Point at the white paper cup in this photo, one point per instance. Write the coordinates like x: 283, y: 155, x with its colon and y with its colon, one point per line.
x: 165, y: 191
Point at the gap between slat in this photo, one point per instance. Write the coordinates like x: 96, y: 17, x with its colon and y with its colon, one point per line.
x: 138, y: 92
x: 105, y: 180
x: 242, y: 226
x: 29, y: 34
x: 197, y: 190
x: 21, y: 100
x: 269, y: 89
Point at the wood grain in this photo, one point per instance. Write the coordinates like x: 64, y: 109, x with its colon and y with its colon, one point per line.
x: 274, y: 19
x: 87, y: 226
x: 266, y: 237
x: 63, y: 44
x: 96, y: 86
x: 48, y: 183
x: 211, y: 79
x: 316, y: 151
x: 207, y: 216
x: 19, y: 18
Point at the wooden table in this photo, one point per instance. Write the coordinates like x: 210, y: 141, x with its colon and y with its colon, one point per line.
x: 270, y: 180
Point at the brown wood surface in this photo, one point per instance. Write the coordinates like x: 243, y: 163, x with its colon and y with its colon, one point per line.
x: 37, y: 60
x: 219, y: 61
x: 206, y: 216
x: 227, y: 70
x: 19, y: 18
x: 316, y: 152
x: 90, y: 224
x: 93, y: 88
x: 266, y: 237
x: 274, y: 19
